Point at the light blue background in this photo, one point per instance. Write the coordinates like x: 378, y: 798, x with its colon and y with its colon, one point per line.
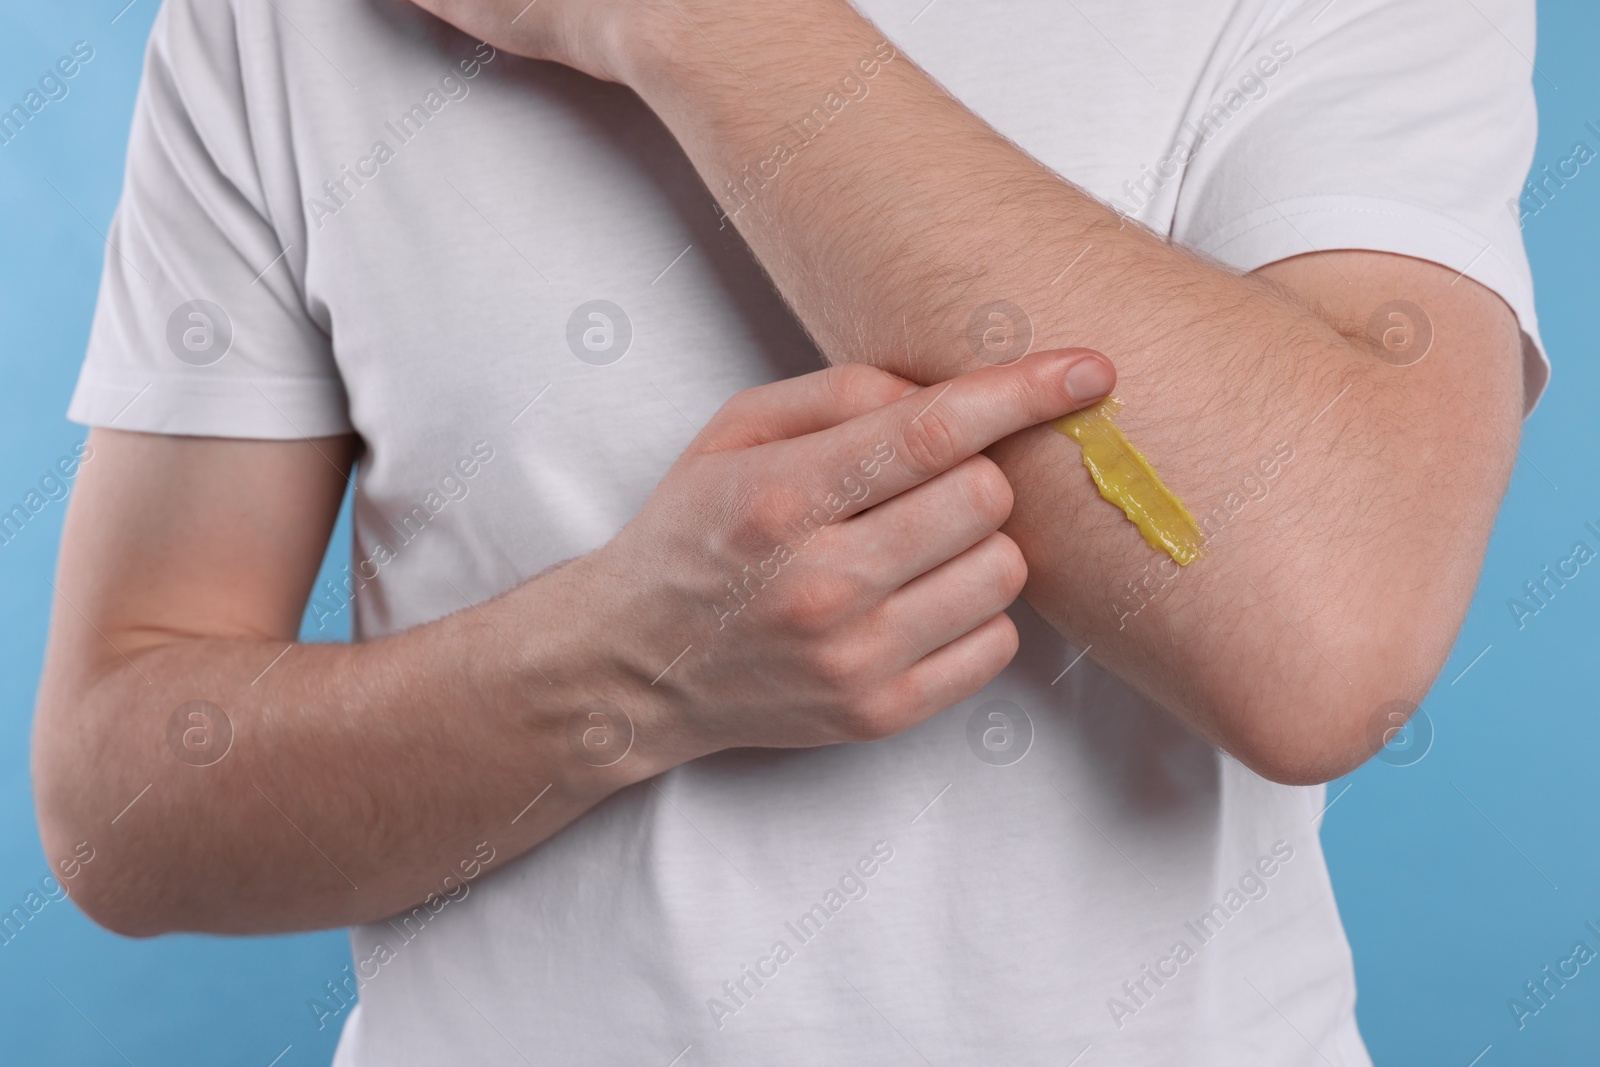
x: 1459, y: 877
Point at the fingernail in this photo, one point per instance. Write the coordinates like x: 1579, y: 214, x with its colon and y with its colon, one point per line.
x: 1089, y: 379
x: 912, y: 388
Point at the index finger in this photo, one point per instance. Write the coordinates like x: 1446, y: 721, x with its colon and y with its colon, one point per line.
x: 907, y: 442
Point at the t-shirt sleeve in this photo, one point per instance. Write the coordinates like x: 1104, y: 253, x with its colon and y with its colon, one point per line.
x: 201, y: 325
x: 1404, y: 126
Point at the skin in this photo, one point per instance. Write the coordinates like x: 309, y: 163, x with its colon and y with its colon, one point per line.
x: 1317, y: 606
x: 360, y: 776
x: 1314, y: 611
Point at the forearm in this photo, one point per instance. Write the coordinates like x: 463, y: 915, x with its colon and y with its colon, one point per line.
x: 889, y: 222
x: 895, y: 229
x: 360, y: 779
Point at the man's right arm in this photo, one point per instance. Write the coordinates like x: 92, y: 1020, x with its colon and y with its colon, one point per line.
x: 358, y: 777
x: 796, y: 579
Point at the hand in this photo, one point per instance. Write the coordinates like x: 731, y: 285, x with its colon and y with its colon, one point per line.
x: 585, y: 34
x: 824, y: 564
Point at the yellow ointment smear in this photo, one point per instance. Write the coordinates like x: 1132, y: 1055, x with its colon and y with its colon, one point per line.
x: 1127, y: 480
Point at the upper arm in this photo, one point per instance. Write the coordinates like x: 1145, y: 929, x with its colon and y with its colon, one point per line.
x: 171, y: 536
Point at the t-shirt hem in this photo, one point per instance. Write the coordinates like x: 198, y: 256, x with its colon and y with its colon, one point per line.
x: 1300, y: 225
x: 278, y: 409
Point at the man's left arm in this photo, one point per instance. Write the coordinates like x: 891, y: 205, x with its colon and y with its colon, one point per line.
x: 896, y: 229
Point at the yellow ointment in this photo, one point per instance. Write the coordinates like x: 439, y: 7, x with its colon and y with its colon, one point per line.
x: 1127, y: 480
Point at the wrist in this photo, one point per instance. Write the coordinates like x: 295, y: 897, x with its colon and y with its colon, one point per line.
x: 661, y: 47
x: 641, y: 41
x: 596, y: 698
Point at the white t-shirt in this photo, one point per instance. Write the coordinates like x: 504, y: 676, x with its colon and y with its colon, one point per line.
x: 400, y: 232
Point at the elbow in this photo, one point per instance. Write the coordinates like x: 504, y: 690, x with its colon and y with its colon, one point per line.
x: 116, y: 915
x: 1309, y: 719
x: 1317, y: 743
x: 94, y: 784
x: 90, y: 865
x: 82, y: 868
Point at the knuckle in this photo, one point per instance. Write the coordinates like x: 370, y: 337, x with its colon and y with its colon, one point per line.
x: 1010, y: 568
x: 894, y: 708
x: 868, y: 717
x: 730, y: 423
x: 840, y: 665
x: 766, y: 511
x: 749, y: 519
x: 1001, y: 647
x: 987, y: 489
x: 814, y: 604
x: 739, y: 405
x: 740, y: 402
x: 995, y: 645
x: 858, y: 385
x: 929, y: 443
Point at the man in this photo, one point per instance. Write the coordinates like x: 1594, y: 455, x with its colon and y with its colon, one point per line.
x: 803, y: 788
